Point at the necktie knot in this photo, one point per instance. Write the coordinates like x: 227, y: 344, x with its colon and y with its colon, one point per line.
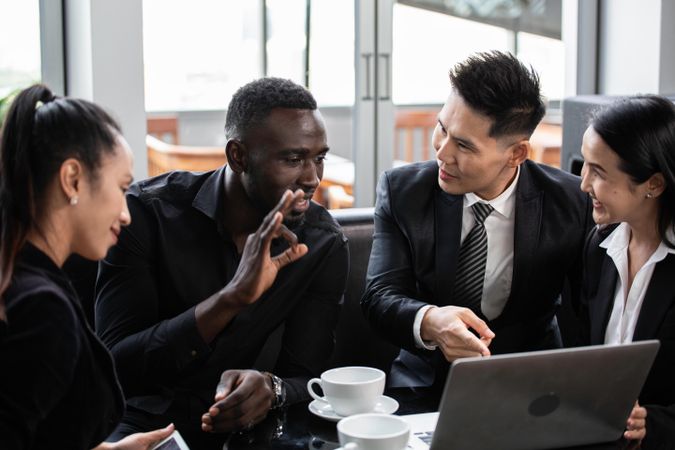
x: 481, y: 211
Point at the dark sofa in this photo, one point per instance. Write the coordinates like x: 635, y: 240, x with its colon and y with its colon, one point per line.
x: 356, y: 344
x: 355, y: 341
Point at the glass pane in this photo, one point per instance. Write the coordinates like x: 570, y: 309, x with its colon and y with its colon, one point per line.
x: 427, y: 44
x: 198, y: 53
x: 537, y: 24
x: 542, y: 17
x: 19, y: 44
x: 547, y: 56
x: 331, y: 60
x: 286, y: 39
x: 331, y: 80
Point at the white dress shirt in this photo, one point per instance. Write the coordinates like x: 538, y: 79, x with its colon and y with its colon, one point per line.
x: 500, y: 227
x: 626, y: 309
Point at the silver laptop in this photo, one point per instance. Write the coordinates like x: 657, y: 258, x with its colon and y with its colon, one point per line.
x: 536, y: 400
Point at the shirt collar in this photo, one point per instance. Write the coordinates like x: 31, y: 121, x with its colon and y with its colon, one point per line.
x: 209, y: 196
x: 504, y: 203
x: 618, y: 240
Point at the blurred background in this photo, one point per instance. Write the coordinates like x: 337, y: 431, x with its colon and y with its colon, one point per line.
x: 378, y: 68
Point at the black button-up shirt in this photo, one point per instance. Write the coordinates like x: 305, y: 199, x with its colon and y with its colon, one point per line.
x: 175, y: 254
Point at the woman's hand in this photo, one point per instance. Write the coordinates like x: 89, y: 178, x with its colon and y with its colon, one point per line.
x: 635, y: 425
x: 138, y: 441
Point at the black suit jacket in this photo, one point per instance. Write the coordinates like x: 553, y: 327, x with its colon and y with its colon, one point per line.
x: 656, y: 321
x: 414, y: 258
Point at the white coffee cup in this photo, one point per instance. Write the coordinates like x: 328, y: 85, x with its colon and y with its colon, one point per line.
x: 350, y: 390
x: 373, y: 432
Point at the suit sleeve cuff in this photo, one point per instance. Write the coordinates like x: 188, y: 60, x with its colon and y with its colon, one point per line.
x: 417, y: 329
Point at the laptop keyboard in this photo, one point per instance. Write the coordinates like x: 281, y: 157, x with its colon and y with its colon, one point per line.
x: 425, y: 436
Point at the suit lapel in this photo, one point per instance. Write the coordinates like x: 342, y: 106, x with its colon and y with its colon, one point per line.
x: 448, y: 231
x: 600, y: 305
x: 658, y: 298
x: 528, y: 212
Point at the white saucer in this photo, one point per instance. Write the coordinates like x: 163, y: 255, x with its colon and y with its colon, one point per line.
x: 384, y: 405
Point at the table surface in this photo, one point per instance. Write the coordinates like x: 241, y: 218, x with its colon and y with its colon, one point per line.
x: 296, y: 428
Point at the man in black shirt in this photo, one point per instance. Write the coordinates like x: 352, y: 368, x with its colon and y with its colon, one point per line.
x: 207, y: 271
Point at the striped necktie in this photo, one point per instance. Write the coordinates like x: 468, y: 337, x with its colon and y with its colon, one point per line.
x: 471, y: 264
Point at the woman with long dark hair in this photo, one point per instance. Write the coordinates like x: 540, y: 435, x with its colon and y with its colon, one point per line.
x: 629, y: 172
x: 64, y: 167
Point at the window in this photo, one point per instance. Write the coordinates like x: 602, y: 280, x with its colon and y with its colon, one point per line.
x: 427, y: 44
x: 547, y: 56
x: 331, y: 52
x: 286, y: 39
x: 430, y: 36
x: 19, y: 45
x: 198, y: 53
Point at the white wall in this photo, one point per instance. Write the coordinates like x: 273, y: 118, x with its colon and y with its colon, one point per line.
x: 667, y: 69
x: 104, y: 64
x: 636, y: 47
x: 78, y: 55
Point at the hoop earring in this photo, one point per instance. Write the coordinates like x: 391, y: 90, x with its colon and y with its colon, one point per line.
x: 73, y: 200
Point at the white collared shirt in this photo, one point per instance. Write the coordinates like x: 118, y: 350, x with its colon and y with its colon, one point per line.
x: 500, y: 229
x: 624, y: 316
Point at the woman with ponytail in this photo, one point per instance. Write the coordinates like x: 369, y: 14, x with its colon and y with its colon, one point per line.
x: 629, y: 294
x: 64, y: 168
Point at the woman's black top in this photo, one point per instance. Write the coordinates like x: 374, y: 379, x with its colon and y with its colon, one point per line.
x: 58, y: 387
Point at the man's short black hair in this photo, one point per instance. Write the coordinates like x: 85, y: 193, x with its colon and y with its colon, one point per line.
x: 502, y: 88
x: 253, y: 102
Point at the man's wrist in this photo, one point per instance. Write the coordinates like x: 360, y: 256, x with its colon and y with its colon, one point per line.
x: 278, y: 390
x: 231, y: 298
x: 420, y: 340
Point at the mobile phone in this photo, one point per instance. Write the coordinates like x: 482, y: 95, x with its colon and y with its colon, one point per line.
x: 173, y: 442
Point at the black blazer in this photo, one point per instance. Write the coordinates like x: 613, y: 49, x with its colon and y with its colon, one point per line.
x: 656, y: 321
x: 414, y: 258
x: 58, y: 387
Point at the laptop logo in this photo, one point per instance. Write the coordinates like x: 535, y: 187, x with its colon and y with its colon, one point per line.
x: 544, y: 405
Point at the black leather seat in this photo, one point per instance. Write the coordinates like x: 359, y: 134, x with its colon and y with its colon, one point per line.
x: 355, y: 342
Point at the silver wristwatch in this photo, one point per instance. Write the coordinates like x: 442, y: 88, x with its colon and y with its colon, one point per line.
x: 279, y: 390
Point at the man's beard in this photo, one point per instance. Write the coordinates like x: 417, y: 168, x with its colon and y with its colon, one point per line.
x: 291, y: 219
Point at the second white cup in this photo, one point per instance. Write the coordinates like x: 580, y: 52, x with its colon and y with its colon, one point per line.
x: 373, y: 432
x: 350, y: 390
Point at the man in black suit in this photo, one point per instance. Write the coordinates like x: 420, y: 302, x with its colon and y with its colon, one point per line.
x: 471, y: 252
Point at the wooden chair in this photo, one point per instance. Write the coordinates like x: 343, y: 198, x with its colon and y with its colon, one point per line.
x: 406, y: 123
x: 163, y: 157
x: 163, y: 127
x: 334, y: 192
x: 336, y: 188
x: 546, y: 142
